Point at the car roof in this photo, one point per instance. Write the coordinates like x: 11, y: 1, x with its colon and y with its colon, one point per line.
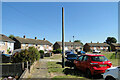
x: 72, y: 54
x: 93, y: 54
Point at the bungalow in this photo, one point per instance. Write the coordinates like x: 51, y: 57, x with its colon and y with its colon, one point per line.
x: 115, y: 46
x: 25, y: 43
x: 96, y: 46
x: 6, y: 44
x: 68, y: 45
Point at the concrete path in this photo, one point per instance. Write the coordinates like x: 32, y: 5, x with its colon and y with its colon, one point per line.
x: 47, y: 60
x: 40, y: 70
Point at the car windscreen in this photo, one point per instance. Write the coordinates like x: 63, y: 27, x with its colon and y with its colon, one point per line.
x: 72, y: 55
x: 99, y: 58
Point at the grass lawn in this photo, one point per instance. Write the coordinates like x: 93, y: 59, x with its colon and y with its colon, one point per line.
x: 111, y: 57
x: 58, y: 73
x: 54, y: 56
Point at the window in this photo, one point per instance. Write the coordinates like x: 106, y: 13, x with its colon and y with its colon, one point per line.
x: 85, y: 58
x: 23, y: 44
x: 72, y: 55
x: 2, y: 43
x: 99, y: 58
x: 30, y: 45
x: 101, y: 47
x: 80, y: 58
x: 94, y: 48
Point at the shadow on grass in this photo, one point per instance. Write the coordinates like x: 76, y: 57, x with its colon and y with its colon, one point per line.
x: 73, y: 72
x: 78, y: 73
x: 67, y: 64
x: 59, y: 63
x: 69, y: 71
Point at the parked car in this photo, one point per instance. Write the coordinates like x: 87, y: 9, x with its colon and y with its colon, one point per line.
x: 70, y: 58
x: 112, y: 73
x: 80, y: 52
x: 96, y: 51
x: 67, y: 52
x: 92, y: 64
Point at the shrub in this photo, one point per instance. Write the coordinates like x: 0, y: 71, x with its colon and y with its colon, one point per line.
x: 20, y: 57
x: 54, y: 51
x: 31, y: 54
x: 58, y: 51
x: 34, y: 52
x: 41, y: 52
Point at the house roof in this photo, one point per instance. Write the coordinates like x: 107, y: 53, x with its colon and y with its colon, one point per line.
x: 116, y: 44
x: 98, y: 44
x: 5, y: 38
x: 33, y: 41
x: 70, y: 43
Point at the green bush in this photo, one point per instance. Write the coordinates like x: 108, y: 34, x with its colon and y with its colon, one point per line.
x: 20, y: 57
x: 58, y: 51
x: 41, y: 52
x: 54, y: 51
x: 31, y: 54
x: 34, y: 52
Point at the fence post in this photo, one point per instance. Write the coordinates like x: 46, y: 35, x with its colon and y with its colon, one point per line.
x: 27, y: 65
x: 22, y: 65
x: 30, y: 65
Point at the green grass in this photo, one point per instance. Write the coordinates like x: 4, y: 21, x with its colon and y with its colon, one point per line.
x: 66, y: 77
x: 111, y: 57
x: 54, y: 67
x: 54, y: 56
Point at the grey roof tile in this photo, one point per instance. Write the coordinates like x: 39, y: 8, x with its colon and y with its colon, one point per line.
x: 5, y: 38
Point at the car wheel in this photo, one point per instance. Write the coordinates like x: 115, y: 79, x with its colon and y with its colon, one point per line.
x: 110, y: 78
x: 88, y: 73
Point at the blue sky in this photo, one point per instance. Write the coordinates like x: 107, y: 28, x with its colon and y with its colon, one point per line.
x: 87, y: 21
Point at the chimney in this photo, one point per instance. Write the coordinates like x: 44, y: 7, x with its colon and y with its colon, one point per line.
x: 24, y: 36
x: 35, y: 38
x: 43, y: 38
x: 97, y: 42
x: 91, y: 41
x: 69, y: 40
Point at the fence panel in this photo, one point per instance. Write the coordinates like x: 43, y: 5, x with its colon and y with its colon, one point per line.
x: 14, y: 69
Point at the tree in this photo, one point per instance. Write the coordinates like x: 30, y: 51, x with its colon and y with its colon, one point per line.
x: 78, y: 41
x: 111, y: 40
x: 11, y: 36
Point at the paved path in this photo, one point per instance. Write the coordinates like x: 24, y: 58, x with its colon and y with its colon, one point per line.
x: 47, y: 60
x: 40, y: 70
